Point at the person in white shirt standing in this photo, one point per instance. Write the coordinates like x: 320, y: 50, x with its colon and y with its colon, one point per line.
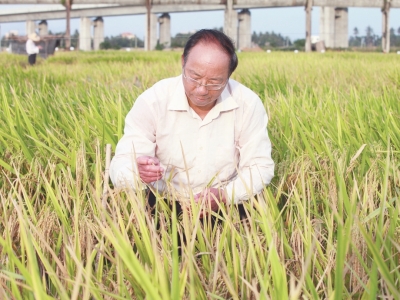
x: 31, y: 49
x: 200, y: 134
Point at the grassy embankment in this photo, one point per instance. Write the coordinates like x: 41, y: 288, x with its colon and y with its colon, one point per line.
x: 335, y: 128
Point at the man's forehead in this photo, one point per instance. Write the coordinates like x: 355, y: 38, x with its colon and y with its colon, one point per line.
x: 208, y: 53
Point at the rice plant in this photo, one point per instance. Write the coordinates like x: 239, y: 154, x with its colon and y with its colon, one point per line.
x: 327, y: 226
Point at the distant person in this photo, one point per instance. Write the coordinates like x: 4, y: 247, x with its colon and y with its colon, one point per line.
x: 199, y: 133
x: 31, y: 48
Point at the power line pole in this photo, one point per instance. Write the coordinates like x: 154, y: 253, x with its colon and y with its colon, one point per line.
x: 67, y: 36
x: 148, y: 6
x: 385, y: 27
x: 308, y: 25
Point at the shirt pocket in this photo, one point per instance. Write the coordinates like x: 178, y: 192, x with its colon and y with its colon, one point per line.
x: 226, y: 162
x: 179, y: 158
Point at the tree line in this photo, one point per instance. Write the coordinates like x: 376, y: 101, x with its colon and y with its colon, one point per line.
x: 370, y: 39
x: 263, y: 40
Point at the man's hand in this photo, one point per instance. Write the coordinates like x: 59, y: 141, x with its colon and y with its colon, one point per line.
x: 211, y: 197
x: 149, y: 168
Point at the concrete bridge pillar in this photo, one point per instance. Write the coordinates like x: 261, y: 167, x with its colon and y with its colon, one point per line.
x: 153, y: 33
x: 43, y: 28
x: 231, y: 22
x: 84, y: 34
x: 341, y: 27
x: 327, y: 26
x: 165, y: 30
x: 333, y: 27
x: 98, y: 33
x: 385, y: 27
x: 30, y: 27
x: 244, y: 32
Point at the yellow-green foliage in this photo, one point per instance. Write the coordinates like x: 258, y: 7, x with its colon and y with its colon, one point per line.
x: 327, y: 227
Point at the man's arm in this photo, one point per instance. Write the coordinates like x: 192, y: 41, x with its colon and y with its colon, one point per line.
x: 256, y: 167
x: 134, y: 156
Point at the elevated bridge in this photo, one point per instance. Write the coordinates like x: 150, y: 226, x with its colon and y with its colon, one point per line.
x: 237, y: 17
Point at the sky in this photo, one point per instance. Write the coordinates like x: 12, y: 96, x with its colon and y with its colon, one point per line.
x: 289, y: 22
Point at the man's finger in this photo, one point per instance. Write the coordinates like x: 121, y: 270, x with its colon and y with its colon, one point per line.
x: 147, y: 160
x: 143, y: 160
x: 146, y: 169
x: 198, y: 197
x: 149, y: 179
x: 154, y: 161
x: 150, y: 173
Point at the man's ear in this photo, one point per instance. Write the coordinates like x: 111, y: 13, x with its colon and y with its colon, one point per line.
x: 182, y: 61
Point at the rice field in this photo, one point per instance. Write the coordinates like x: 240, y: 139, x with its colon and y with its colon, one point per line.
x: 327, y: 227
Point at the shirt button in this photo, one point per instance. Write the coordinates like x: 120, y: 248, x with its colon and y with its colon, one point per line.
x: 199, y: 171
x: 201, y: 148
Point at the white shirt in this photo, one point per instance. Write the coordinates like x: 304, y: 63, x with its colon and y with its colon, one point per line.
x: 31, y: 48
x: 229, y: 148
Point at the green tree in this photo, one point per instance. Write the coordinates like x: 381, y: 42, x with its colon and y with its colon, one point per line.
x: 268, y: 39
x: 369, y: 38
x: 355, y: 32
x: 300, y: 43
x: 75, y: 39
x: 118, y: 42
x: 159, y: 46
x: 179, y: 40
x: 105, y: 45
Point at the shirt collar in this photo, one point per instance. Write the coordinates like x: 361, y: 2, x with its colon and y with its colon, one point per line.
x: 179, y: 101
x: 226, y: 102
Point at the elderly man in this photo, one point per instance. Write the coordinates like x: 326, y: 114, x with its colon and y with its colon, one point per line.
x: 200, y: 134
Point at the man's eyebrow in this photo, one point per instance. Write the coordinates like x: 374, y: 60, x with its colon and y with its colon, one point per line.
x: 199, y: 75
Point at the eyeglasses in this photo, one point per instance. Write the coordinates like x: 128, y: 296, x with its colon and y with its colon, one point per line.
x: 209, y: 87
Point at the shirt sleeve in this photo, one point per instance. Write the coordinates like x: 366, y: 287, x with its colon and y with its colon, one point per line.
x: 31, y: 48
x: 256, y: 167
x: 138, y: 140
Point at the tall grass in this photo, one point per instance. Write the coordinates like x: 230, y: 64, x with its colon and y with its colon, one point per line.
x: 327, y: 227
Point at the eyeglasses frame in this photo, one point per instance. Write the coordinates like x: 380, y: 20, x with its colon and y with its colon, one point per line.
x: 199, y: 84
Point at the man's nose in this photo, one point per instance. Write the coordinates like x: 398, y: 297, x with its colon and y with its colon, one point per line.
x: 202, y: 88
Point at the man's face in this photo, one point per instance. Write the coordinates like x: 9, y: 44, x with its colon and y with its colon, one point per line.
x: 207, y: 64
